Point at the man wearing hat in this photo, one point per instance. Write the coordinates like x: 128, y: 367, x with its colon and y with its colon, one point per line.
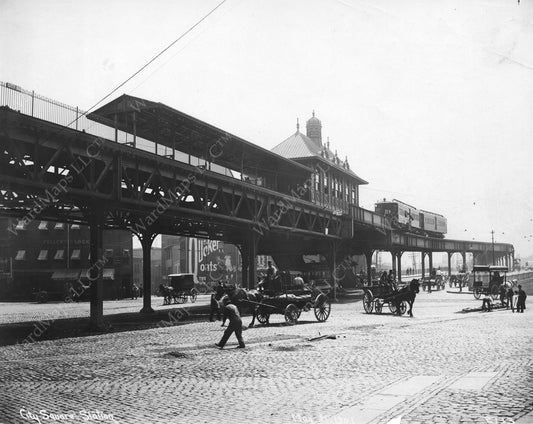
x: 521, y: 303
x: 231, y: 312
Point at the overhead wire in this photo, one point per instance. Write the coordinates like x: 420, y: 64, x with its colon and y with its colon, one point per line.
x: 151, y: 60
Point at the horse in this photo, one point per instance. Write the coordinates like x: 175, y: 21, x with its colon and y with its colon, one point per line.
x: 407, y: 294
x: 167, y: 292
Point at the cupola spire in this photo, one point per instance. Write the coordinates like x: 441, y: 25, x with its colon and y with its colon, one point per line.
x: 314, y: 129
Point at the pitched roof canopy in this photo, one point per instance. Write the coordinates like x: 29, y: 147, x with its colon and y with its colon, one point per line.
x: 299, y: 147
x: 164, y: 125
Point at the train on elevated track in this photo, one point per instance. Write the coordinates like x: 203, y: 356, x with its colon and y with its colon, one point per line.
x: 408, y: 218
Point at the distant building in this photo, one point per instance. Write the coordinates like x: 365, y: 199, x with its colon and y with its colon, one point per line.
x: 156, y: 268
x: 50, y: 256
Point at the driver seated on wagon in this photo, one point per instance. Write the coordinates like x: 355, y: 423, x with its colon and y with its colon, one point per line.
x: 497, y: 278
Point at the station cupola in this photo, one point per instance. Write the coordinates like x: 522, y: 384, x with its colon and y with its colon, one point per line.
x: 314, y: 129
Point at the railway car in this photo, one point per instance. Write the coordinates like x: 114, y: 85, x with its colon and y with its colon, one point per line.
x: 433, y: 224
x: 402, y: 215
x: 407, y: 217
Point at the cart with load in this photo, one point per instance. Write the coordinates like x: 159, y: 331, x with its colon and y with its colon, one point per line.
x: 283, y: 297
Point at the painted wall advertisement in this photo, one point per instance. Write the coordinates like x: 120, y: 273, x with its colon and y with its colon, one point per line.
x: 213, y: 260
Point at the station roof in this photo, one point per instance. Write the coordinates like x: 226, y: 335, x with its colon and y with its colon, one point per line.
x: 166, y: 126
x: 301, y: 148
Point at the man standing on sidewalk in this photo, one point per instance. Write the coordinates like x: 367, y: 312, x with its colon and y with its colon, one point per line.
x: 231, y: 312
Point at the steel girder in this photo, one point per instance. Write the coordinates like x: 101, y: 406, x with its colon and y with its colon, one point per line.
x: 61, y: 174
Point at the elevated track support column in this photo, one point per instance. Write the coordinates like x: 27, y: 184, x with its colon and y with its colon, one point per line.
x: 423, y: 254
x: 450, y: 254
x: 146, y: 239
x: 341, y: 269
x: 97, y: 261
x: 394, y: 262
x: 252, y: 253
x: 398, y: 258
x: 430, y: 255
x: 334, y: 246
x: 368, y: 257
x: 243, y: 248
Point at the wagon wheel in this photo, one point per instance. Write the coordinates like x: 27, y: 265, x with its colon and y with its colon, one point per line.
x: 477, y: 292
x: 368, y: 301
x: 193, y: 295
x: 261, y: 314
x: 322, y: 308
x: 291, y: 313
x: 403, y: 307
x: 378, y: 306
x: 180, y: 298
x: 494, y: 291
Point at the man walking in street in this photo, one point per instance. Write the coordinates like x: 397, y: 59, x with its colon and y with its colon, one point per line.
x: 231, y: 312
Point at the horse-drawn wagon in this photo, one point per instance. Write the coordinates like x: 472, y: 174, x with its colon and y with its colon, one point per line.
x: 180, y: 289
x: 434, y: 282
x: 398, y: 300
x: 283, y: 297
x: 488, y: 279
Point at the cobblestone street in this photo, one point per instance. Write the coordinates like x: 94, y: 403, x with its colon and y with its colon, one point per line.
x: 438, y: 367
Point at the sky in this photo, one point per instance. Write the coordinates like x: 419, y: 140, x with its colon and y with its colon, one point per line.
x: 431, y: 101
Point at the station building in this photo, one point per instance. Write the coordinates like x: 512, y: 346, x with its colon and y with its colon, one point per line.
x: 332, y: 185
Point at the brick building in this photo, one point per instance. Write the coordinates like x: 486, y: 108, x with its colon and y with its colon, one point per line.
x: 44, y: 255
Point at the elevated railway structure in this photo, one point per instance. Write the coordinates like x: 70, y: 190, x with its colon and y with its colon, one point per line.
x: 143, y: 166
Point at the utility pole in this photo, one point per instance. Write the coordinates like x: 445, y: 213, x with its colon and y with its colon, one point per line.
x: 492, y: 233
